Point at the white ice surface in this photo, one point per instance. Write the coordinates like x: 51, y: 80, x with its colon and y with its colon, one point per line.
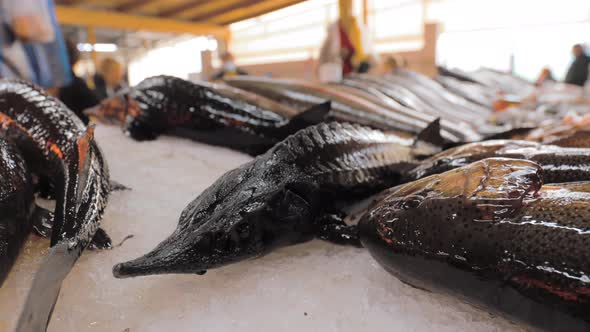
x: 310, y: 287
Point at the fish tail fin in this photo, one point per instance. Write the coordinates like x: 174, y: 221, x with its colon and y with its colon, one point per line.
x: 313, y: 115
x: 45, y: 289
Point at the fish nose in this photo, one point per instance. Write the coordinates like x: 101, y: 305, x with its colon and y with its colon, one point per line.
x: 174, y: 255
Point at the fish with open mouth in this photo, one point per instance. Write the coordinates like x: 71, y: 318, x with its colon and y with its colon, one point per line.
x: 56, y: 146
x: 492, y: 234
x: 559, y: 164
x: 206, y: 112
x: 283, y: 197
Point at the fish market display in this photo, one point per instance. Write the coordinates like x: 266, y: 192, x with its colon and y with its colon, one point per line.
x: 426, y: 96
x: 348, y: 107
x: 559, y: 164
x: 56, y: 146
x: 16, y: 205
x: 283, y: 197
x: 211, y: 113
x: 494, y: 80
x: 491, y: 233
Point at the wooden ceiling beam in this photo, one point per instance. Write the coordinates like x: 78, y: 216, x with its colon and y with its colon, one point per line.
x: 254, y: 10
x: 132, y: 4
x: 181, y: 8
x: 115, y: 20
x: 224, y: 9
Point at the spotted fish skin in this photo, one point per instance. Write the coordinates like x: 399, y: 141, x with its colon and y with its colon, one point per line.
x: 559, y: 164
x: 206, y: 112
x: 16, y: 205
x: 280, y: 198
x: 493, y: 235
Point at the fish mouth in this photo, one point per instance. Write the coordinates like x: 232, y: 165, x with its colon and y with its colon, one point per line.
x: 115, y: 109
x: 166, y: 258
x: 187, y: 254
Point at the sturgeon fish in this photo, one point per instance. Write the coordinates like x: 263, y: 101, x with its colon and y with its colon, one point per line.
x: 57, y: 146
x: 211, y: 113
x: 559, y: 164
x: 346, y: 107
x: 492, y: 234
x: 283, y: 197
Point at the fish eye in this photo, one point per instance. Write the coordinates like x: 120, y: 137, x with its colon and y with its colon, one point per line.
x: 411, y: 202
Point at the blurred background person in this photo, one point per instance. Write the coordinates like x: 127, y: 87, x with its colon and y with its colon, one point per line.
x: 577, y: 73
x: 545, y: 76
x: 347, y: 44
x: 31, y: 44
x: 228, y: 68
x: 77, y: 95
x: 108, y: 78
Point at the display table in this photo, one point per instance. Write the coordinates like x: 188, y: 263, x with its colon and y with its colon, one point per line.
x: 310, y: 287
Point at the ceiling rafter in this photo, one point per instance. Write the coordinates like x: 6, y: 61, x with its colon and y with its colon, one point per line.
x: 224, y: 9
x: 132, y: 4
x: 254, y: 10
x: 182, y: 7
x: 108, y: 19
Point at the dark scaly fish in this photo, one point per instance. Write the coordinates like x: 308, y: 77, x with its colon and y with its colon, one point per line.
x: 206, y: 112
x: 16, y: 205
x: 346, y: 107
x: 280, y: 198
x: 56, y: 145
x: 491, y: 234
x: 559, y: 164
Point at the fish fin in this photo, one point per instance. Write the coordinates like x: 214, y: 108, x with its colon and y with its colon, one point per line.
x: 42, y: 221
x: 101, y: 241
x: 313, y: 115
x: 45, y: 289
x: 332, y: 228
x: 116, y: 186
x: 84, y: 147
x: 431, y: 134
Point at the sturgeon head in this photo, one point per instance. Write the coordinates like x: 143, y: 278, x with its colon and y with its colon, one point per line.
x: 244, y: 214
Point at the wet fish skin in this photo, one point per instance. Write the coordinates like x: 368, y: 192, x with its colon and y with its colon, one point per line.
x: 280, y: 198
x: 16, y: 205
x: 491, y: 234
x: 56, y: 145
x: 59, y: 148
x: 206, y: 112
x: 562, y: 135
x: 559, y: 164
